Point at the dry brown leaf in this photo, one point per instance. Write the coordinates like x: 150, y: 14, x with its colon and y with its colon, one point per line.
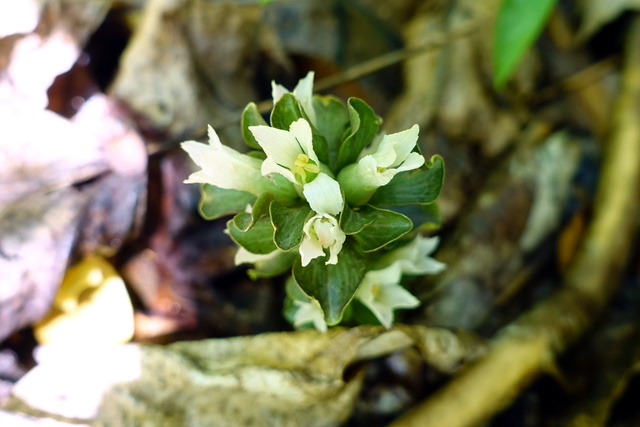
x: 284, y: 379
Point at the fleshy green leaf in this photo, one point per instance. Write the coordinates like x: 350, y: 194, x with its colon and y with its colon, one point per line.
x: 216, y: 202
x: 286, y: 111
x: 424, y: 217
x: 288, y: 223
x: 251, y: 117
x: 332, y: 285
x: 332, y: 121
x: 385, y: 227
x: 364, y: 127
x: 259, y: 210
x: 352, y: 222
x: 279, y: 264
x: 518, y: 25
x: 420, y: 186
x: 257, y: 239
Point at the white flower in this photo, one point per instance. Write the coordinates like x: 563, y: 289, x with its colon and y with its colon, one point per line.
x: 226, y: 168
x: 379, y: 164
x: 322, y: 231
x: 309, y: 312
x: 289, y: 153
x: 414, y: 258
x: 381, y: 292
x: 303, y: 91
x: 324, y: 195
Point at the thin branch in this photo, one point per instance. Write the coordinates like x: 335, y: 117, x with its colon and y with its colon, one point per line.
x: 529, y: 346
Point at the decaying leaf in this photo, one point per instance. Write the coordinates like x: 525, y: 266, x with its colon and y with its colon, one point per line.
x: 36, y: 234
x: 285, y: 379
x: 597, y: 13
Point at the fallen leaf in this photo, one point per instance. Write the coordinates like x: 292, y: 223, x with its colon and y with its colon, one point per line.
x: 92, y: 306
x: 285, y: 379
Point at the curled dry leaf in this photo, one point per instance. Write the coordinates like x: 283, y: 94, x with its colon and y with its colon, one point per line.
x: 285, y: 379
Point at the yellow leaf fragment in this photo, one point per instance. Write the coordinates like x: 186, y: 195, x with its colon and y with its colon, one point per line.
x: 92, y: 306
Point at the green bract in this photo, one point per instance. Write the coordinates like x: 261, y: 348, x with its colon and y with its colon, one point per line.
x: 328, y: 198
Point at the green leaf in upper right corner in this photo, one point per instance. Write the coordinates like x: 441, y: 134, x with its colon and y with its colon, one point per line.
x: 420, y: 186
x: 517, y: 27
x: 364, y: 127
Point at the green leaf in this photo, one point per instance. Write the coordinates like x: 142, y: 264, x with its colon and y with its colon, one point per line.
x: 260, y: 209
x: 279, y: 264
x: 518, y: 25
x: 364, y: 127
x: 424, y: 217
x: 257, y: 239
x: 286, y: 111
x: 332, y: 285
x: 251, y: 117
x: 420, y: 186
x: 332, y: 121
x: 216, y: 202
x: 385, y: 227
x: 352, y: 222
x: 288, y: 223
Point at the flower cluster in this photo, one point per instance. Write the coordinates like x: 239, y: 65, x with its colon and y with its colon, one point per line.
x: 319, y: 196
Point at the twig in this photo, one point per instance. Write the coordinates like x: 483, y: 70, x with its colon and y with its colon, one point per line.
x: 382, y: 61
x: 524, y: 349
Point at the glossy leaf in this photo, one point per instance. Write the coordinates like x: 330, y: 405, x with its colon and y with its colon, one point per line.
x: 216, y: 202
x: 364, y: 127
x: 352, y: 222
x: 260, y: 208
x: 257, y: 239
x: 420, y: 186
x: 385, y: 227
x: 288, y: 224
x: 424, y: 217
x: 279, y: 264
x: 251, y: 117
x: 518, y: 25
x: 286, y: 111
x: 332, y: 121
x: 332, y: 285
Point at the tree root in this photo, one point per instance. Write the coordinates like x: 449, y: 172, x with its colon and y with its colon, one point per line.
x: 529, y: 346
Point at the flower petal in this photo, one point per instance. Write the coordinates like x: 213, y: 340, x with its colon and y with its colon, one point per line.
x: 304, y: 92
x: 397, y: 297
x: 381, y: 293
x: 223, y: 167
x: 301, y: 130
x: 324, y: 195
x: 280, y: 145
x: 413, y: 258
x: 310, y: 249
x: 269, y: 167
x: 309, y: 312
x: 243, y: 256
x: 402, y: 143
x: 277, y: 91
